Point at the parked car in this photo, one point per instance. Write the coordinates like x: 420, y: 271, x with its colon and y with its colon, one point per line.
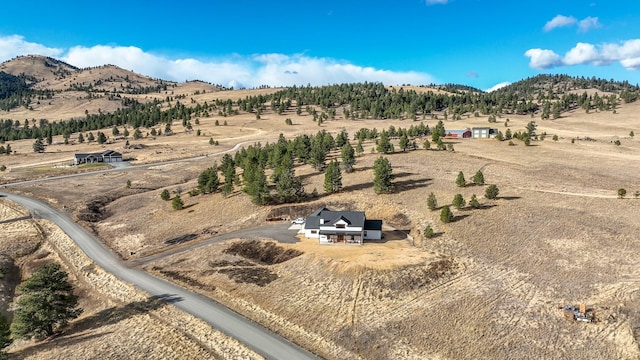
x: 298, y: 221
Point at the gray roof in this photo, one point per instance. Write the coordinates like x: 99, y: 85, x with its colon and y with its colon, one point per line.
x: 354, y: 218
x: 373, y: 225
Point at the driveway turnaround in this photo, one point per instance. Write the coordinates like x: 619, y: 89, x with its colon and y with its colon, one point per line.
x: 256, y: 337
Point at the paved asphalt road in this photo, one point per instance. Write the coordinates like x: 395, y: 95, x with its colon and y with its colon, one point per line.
x: 254, y: 336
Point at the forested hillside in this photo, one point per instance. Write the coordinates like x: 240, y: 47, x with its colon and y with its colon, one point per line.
x: 546, y: 96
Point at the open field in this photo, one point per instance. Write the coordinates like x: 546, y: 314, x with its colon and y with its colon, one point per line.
x: 487, y: 286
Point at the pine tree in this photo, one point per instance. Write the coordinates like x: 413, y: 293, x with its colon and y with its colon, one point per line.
x: 458, y: 201
x: 38, y: 146
x: 348, y: 157
x: 428, y: 232
x: 478, y: 178
x: 332, y: 178
x: 446, y: 216
x: 491, y: 192
x: 383, y: 175
x: 432, y: 203
x: 474, y: 203
x: 101, y: 138
x: 46, y: 303
x: 177, y: 203
x: 460, y: 180
x: 80, y: 138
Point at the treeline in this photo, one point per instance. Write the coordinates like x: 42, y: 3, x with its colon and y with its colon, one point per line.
x: 133, y: 114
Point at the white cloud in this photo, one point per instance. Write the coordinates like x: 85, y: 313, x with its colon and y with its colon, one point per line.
x: 559, y: 21
x: 15, y: 45
x: 434, y: 2
x: 588, y: 23
x: 626, y: 53
x: 582, y: 53
x: 542, y: 59
x: 233, y: 70
x: 498, y: 86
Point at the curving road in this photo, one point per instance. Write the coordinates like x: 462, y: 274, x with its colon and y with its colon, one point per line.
x: 252, y: 335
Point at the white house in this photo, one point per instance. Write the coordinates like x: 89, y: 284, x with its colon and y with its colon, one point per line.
x: 346, y: 227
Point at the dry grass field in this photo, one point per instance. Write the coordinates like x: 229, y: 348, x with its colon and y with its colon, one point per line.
x: 488, y: 285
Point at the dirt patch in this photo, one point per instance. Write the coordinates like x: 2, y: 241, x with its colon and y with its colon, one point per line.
x: 94, y: 210
x: 414, y: 277
x: 256, y: 275
x: 264, y: 252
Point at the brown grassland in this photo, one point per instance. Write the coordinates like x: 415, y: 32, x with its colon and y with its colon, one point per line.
x: 488, y: 285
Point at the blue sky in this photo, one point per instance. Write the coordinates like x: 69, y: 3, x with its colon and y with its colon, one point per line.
x: 481, y: 43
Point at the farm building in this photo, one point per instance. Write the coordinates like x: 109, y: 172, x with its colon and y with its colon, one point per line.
x: 462, y: 134
x: 107, y: 156
x: 483, y: 132
x: 346, y: 227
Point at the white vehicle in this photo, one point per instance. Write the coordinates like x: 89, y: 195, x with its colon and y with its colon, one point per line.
x: 298, y: 221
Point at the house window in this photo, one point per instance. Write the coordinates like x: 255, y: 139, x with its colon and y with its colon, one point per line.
x: 314, y: 231
x: 340, y: 226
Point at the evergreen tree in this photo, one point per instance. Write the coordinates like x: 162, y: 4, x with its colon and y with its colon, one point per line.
x: 208, y: 180
x: 460, y: 180
x: 426, y: 144
x: 458, y: 201
x: 115, y: 131
x: 359, y: 148
x: 289, y: 187
x: 46, y: 303
x: 80, y: 138
x: 348, y: 157
x: 126, y: 132
x: 90, y: 137
x: 446, y: 216
x: 255, y: 183
x: 383, y: 175
x: 478, y: 178
x: 404, y: 142
x: 491, y: 192
x: 177, y: 203
x: 428, y: 232
x: 384, y: 145
x: 432, y: 203
x: 332, y: 178
x: 38, y: 146
x: 474, y: 203
x: 101, y: 138
x: 165, y: 195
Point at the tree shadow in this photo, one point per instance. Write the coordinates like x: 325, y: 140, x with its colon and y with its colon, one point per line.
x: 15, y: 219
x: 457, y: 218
x: 74, y: 333
x: 508, y: 197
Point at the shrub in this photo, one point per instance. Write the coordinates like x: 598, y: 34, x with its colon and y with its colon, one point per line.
x: 622, y: 193
x: 165, y: 195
